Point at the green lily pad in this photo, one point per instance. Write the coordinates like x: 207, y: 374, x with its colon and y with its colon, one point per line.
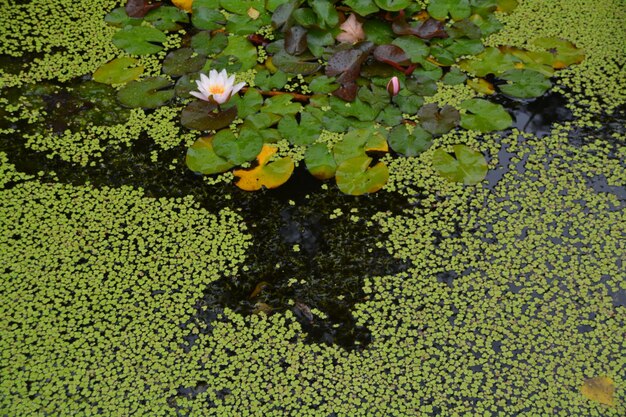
x: 409, y: 144
x: 525, y: 83
x: 119, y: 18
x: 203, y: 115
x: 167, y: 18
x: 303, y: 133
x: 438, y: 121
x: 260, y: 121
x: 249, y: 103
x: 457, y: 9
x: 320, y: 162
x: 238, y: 150
x: 565, y: 53
x: 139, y: 40
x: 302, y: 64
x: 205, y: 44
x: 454, y: 76
x: 202, y: 158
x: 355, y: 176
x: 242, y: 49
x: 491, y: 61
x: 393, y: 5
x: 281, y: 104
x: 469, y: 166
x: 118, y: 71
x: 242, y: 6
x: 318, y: 40
x: 415, y: 48
x: 358, y: 141
x: 148, y: 93
x: 182, y: 61
x: 484, y: 116
x: 326, y: 13
x: 206, y: 15
x: 362, y: 7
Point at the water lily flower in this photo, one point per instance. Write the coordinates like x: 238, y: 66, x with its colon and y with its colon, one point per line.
x: 352, y: 30
x: 217, y: 87
x: 393, y: 86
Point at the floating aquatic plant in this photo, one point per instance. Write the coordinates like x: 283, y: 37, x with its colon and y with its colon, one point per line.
x: 309, y: 57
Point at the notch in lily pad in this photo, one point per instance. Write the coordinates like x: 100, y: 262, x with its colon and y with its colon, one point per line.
x: 357, y: 176
x: 202, y: 158
x: 467, y: 165
x: 265, y: 174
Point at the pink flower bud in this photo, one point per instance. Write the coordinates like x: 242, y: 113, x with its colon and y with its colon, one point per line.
x: 393, y: 86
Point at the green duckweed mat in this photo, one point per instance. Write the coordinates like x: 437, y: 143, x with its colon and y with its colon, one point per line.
x: 130, y: 286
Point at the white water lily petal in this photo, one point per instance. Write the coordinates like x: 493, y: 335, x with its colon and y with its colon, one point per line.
x: 217, y: 87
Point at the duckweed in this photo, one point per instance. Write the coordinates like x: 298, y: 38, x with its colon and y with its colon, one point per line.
x: 513, y: 296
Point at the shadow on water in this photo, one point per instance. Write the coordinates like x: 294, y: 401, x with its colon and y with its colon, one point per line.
x: 301, y: 257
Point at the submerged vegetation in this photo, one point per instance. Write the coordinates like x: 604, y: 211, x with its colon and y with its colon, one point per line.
x: 132, y: 286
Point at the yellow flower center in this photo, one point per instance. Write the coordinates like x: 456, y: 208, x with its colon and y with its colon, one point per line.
x: 217, y: 89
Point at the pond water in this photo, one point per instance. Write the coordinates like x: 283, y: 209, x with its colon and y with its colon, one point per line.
x: 502, y: 298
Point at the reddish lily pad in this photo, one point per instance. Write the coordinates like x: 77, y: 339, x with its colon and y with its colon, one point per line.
x: 438, y: 121
x: 203, y: 115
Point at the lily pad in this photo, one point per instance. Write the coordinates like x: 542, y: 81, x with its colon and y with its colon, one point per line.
x: 206, y: 15
x: 393, y: 5
x: 119, y: 18
x: 148, y: 93
x: 525, y: 83
x: 438, y: 121
x: 355, y: 176
x: 469, y: 166
x: 206, y: 44
x: 565, y: 53
x: 320, y: 162
x: 409, y: 144
x: 118, y: 71
x: 362, y: 7
x: 167, y: 18
x: 484, y: 116
x: 202, y: 158
x: 266, y: 174
x: 182, y: 61
x: 491, y: 61
x: 238, y: 150
x: 281, y: 105
x: 242, y: 49
x: 359, y: 141
x: 250, y: 103
x: 303, y: 133
x: 457, y: 9
x: 203, y: 115
x: 303, y: 64
x: 139, y: 40
x: 416, y: 49
x: 327, y: 14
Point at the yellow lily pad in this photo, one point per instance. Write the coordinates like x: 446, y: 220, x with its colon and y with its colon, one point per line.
x: 265, y: 174
x: 183, y: 4
x: 600, y: 389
